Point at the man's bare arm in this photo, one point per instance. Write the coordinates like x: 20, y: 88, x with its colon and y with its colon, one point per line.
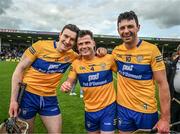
x: 16, y: 79
x: 164, y: 98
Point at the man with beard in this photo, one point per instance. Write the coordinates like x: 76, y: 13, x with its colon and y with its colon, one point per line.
x: 96, y: 79
x: 139, y: 64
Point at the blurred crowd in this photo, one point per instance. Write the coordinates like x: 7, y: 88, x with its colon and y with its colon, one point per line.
x: 14, y: 54
x: 11, y: 54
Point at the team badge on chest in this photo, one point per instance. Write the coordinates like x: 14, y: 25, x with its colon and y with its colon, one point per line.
x: 103, y: 66
x: 66, y: 59
x: 139, y: 58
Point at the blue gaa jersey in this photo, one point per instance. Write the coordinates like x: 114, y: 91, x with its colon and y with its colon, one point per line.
x: 96, y: 79
x: 135, y: 84
x: 48, y: 66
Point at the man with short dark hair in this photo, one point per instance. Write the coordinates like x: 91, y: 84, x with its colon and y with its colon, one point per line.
x: 96, y: 79
x: 41, y: 68
x: 139, y: 64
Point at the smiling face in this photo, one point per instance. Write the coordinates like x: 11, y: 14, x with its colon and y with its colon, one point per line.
x: 128, y: 30
x: 67, y: 39
x: 86, y: 46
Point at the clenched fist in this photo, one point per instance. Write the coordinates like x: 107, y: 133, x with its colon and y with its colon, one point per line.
x: 66, y: 87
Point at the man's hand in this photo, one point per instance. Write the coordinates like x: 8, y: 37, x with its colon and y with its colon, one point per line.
x: 163, y: 126
x: 13, y: 109
x: 101, y: 51
x: 66, y: 87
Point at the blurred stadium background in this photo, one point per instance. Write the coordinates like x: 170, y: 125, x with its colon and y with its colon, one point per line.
x: 14, y: 42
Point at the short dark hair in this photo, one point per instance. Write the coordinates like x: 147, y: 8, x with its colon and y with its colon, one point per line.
x: 127, y: 16
x: 82, y: 33
x: 71, y: 27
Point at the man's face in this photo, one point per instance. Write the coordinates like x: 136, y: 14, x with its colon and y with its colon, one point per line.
x: 128, y: 29
x: 86, y: 45
x: 67, y: 39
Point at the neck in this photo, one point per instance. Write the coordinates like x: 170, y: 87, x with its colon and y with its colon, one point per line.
x: 132, y: 44
x: 89, y: 57
x: 58, y: 46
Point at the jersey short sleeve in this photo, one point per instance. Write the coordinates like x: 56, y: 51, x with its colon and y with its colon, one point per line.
x: 114, y: 66
x: 33, y: 51
x: 157, y: 60
x: 72, y: 73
